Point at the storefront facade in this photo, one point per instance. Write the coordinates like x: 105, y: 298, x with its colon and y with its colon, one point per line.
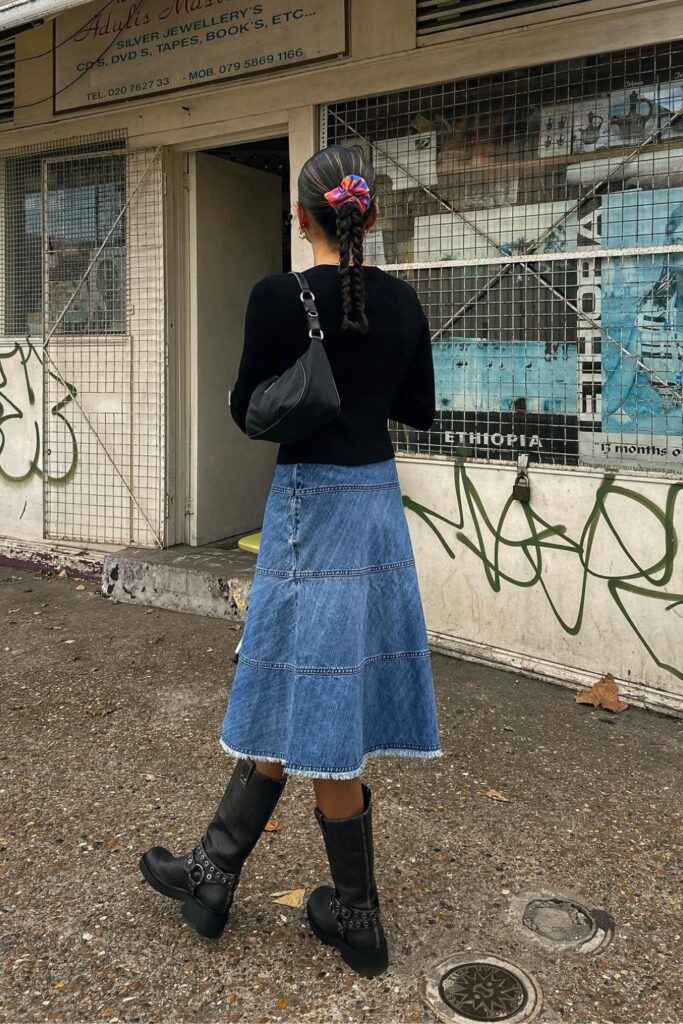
x: 530, y: 167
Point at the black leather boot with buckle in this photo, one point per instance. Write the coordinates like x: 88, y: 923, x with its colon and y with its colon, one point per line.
x: 347, y: 916
x: 205, y: 879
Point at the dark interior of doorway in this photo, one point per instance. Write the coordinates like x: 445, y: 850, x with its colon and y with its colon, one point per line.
x: 272, y: 156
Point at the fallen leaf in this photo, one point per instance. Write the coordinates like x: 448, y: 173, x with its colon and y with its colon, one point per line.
x: 604, y: 694
x: 62, y: 575
x: 283, y: 1004
x: 81, y: 586
x: 495, y: 794
x: 292, y: 898
x: 274, y: 825
x: 232, y: 997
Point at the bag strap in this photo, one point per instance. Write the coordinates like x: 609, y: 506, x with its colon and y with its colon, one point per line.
x: 315, y: 331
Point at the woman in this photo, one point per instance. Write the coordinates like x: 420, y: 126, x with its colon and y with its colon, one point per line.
x: 334, y: 663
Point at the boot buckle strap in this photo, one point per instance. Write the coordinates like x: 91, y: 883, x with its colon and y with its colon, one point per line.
x: 351, y: 917
x: 200, y: 869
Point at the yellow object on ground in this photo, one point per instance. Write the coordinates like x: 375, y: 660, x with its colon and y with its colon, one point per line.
x: 250, y: 542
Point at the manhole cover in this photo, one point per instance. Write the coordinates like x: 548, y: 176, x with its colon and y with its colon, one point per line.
x: 481, y: 988
x: 483, y: 992
x: 566, y: 922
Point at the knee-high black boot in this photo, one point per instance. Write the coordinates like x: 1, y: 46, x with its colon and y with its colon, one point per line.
x: 348, y: 915
x: 206, y: 879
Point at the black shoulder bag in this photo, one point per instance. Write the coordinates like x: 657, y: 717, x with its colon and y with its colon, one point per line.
x: 289, y: 407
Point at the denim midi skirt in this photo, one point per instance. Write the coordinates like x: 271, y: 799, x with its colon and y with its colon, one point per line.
x: 334, y: 665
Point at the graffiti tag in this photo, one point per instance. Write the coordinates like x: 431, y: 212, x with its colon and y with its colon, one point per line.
x: 640, y: 578
x: 21, y: 441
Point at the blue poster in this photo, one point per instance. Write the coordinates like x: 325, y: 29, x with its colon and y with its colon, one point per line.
x: 474, y: 374
x: 642, y: 314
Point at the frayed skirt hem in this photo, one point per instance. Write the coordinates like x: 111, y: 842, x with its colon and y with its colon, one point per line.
x: 313, y: 773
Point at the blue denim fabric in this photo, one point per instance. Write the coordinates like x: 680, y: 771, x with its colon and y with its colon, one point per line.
x: 334, y: 665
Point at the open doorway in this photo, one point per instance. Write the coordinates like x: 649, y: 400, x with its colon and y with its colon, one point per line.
x: 240, y: 231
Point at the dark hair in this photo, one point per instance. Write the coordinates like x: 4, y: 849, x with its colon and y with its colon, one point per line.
x: 321, y: 173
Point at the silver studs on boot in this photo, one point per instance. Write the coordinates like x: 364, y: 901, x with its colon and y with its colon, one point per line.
x: 200, y: 869
x: 350, y: 917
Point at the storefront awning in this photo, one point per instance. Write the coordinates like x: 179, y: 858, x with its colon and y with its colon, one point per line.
x: 25, y: 12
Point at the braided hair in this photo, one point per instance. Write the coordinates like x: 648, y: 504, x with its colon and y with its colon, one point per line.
x: 322, y: 174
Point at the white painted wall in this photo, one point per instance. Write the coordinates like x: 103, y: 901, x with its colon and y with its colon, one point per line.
x: 21, y: 432
x: 602, y: 592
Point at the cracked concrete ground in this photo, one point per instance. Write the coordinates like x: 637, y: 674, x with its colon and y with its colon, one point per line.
x: 109, y: 744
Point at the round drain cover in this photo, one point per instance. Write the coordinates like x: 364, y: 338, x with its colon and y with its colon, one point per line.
x: 481, y: 988
x: 483, y: 992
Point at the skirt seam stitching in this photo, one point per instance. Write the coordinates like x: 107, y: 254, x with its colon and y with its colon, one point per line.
x: 313, y: 573
x: 326, y: 670
x: 333, y: 488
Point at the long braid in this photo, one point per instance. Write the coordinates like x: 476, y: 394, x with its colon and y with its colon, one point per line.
x: 344, y: 224
x: 361, y: 322
x: 321, y: 173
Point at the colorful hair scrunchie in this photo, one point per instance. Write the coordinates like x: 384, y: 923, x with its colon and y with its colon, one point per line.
x: 353, y: 189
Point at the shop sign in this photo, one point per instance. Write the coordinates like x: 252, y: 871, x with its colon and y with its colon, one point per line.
x: 545, y: 437
x: 131, y: 48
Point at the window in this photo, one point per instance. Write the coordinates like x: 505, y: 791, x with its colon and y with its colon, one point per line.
x: 539, y: 215
x: 7, y: 76
x: 436, y: 16
x: 85, y: 197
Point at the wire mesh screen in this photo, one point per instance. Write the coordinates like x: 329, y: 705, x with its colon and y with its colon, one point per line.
x: 103, y: 350
x: 539, y: 215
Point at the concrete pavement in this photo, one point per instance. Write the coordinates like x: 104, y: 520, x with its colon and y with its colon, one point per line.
x: 109, y: 744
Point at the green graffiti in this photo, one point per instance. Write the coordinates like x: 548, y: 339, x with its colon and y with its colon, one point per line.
x: 486, y: 539
x: 10, y: 410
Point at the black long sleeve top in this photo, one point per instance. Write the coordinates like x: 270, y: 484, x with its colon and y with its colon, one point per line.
x: 384, y: 374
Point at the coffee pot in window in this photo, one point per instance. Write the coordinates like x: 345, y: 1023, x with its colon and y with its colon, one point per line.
x: 590, y: 132
x: 631, y: 122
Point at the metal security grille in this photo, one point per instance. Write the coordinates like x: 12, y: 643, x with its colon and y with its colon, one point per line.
x: 82, y: 347
x: 103, y: 347
x: 435, y: 16
x: 7, y: 71
x: 539, y: 215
